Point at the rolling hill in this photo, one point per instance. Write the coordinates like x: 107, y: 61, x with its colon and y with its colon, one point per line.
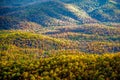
x: 87, y: 22
x: 23, y: 39
x: 69, y: 40
x: 92, y: 38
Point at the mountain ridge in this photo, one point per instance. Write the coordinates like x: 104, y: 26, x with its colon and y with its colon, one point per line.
x: 62, y: 13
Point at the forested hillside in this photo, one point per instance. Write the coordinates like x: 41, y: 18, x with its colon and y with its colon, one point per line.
x: 59, y: 12
x: 59, y: 39
x: 25, y: 55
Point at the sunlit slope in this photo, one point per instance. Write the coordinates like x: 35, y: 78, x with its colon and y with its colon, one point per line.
x: 29, y: 40
x: 101, y: 10
x: 92, y: 38
x: 110, y: 12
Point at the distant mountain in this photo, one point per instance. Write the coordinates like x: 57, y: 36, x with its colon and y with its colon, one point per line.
x: 48, y: 13
x: 109, y: 12
x: 101, y: 10
x: 16, y: 2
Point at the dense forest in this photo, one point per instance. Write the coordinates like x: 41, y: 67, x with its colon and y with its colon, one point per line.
x: 59, y: 40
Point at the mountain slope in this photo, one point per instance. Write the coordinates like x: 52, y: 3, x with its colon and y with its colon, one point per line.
x: 110, y: 12
x: 61, y: 13
x: 101, y: 10
x: 16, y: 2
x: 45, y: 14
